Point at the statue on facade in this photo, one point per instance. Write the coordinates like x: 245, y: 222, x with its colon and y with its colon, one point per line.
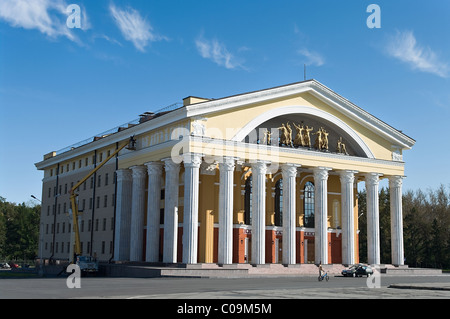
x: 341, y: 149
x: 318, y: 134
x: 306, y: 136
x: 322, y: 139
x: 299, y: 138
x: 267, y: 137
x: 289, y: 137
x: 284, y: 139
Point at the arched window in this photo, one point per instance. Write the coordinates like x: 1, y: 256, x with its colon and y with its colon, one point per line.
x: 279, y: 203
x: 309, y: 205
x: 248, y: 201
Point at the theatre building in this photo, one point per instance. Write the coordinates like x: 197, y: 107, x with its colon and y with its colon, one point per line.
x: 269, y: 176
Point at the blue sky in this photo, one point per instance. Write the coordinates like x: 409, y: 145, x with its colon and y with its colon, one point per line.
x: 61, y: 85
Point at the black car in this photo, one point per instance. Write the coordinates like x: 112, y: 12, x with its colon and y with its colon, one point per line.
x: 357, y: 270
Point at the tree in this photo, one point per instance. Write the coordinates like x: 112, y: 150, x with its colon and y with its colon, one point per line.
x: 385, y: 225
x: 19, y: 230
x: 414, y: 233
x: 362, y: 225
x: 2, y: 228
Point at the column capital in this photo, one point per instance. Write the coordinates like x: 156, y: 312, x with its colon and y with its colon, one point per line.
x: 372, y: 178
x: 259, y: 167
x: 289, y: 169
x: 192, y: 160
x: 154, y: 168
x: 138, y: 171
x: 395, y: 181
x: 123, y: 174
x: 170, y: 165
x: 347, y: 176
x: 321, y: 172
x: 227, y: 164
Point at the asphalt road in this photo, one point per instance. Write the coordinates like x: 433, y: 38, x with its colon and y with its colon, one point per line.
x: 218, y: 288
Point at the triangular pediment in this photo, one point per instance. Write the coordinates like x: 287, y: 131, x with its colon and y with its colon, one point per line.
x: 309, y: 103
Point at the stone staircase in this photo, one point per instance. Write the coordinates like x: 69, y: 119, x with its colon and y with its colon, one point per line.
x: 217, y: 271
x: 204, y: 270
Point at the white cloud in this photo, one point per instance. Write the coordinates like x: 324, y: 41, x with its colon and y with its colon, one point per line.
x: 134, y: 28
x: 313, y: 58
x: 217, y: 52
x: 403, y: 46
x: 47, y: 16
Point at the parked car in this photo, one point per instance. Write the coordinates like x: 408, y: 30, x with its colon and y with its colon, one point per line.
x: 4, y: 266
x: 357, y: 270
x: 13, y: 265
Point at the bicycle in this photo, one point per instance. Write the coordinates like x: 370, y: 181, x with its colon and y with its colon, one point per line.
x: 324, y: 276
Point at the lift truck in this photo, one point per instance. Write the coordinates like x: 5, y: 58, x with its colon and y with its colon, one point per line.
x: 88, y: 264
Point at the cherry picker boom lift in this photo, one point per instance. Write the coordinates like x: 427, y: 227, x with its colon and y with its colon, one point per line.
x: 86, y: 263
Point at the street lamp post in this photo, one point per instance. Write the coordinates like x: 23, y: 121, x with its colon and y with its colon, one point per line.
x: 41, y: 241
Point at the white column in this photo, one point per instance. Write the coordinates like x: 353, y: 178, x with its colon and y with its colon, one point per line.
x: 395, y: 187
x: 190, y: 216
x: 137, y: 213
x: 289, y: 172
x: 373, y: 220
x: 154, y: 171
x: 321, y: 214
x: 226, y: 211
x: 123, y: 215
x: 347, y: 216
x: 259, y: 170
x: 171, y: 211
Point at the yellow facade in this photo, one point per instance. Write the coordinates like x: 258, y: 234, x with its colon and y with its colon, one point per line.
x: 233, y: 127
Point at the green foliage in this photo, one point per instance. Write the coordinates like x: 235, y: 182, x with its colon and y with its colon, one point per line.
x: 19, y: 230
x: 426, y: 227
